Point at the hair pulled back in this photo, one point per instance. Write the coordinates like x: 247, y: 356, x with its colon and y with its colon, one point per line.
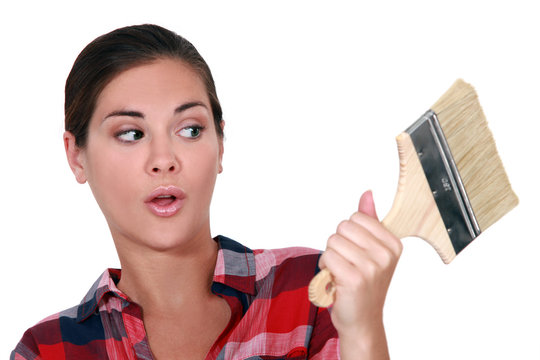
x: 110, y: 54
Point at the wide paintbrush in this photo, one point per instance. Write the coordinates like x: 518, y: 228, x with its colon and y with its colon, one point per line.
x: 452, y: 183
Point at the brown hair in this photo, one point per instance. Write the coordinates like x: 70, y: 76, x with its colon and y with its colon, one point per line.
x: 117, y: 51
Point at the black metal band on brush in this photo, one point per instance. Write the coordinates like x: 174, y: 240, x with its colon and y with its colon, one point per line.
x: 444, y: 180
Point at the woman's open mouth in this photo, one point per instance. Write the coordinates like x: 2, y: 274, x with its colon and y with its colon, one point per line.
x: 165, y: 201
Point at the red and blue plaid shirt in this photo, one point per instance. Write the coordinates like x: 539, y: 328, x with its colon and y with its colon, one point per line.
x: 272, y: 317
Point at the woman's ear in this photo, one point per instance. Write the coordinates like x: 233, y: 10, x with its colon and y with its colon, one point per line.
x: 221, y: 149
x: 75, y: 157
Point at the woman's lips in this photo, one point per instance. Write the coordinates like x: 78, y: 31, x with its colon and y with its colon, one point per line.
x: 165, y: 201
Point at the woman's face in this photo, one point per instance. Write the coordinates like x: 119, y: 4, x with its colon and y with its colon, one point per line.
x: 152, y: 155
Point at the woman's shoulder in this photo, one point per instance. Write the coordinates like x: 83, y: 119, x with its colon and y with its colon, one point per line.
x: 287, y: 253
x: 266, y: 260
x: 287, y: 259
x: 288, y: 268
x: 48, y: 333
x: 76, y: 327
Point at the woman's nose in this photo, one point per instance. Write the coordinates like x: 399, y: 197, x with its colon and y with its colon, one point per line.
x: 164, y: 167
x: 162, y: 159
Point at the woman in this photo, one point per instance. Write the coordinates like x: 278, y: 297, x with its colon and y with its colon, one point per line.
x: 144, y: 128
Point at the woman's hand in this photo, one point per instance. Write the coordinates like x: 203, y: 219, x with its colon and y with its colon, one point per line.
x: 362, y: 256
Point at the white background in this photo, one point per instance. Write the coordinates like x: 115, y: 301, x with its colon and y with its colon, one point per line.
x: 313, y: 95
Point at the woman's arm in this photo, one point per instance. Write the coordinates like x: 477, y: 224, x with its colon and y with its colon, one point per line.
x: 362, y: 256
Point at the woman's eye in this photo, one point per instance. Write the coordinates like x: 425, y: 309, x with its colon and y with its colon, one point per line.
x: 130, y: 135
x: 191, y: 132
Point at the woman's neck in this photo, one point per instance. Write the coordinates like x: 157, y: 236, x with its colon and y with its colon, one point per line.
x: 169, y: 280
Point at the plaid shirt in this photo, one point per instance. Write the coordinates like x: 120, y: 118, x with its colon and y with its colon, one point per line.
x: 271, y: 316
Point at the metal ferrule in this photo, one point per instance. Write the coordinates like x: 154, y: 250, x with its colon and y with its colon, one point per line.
x: 444, y: 180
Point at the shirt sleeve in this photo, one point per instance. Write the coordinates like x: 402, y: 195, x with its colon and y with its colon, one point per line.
x: 26, y: 349
x: 324, y: 343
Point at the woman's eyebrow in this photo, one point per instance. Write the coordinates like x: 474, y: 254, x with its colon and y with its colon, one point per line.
x: 139, y: 114
x: 124, y: 113
x: 189, y: 105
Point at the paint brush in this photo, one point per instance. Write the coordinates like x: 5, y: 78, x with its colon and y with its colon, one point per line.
x: 452, y: 183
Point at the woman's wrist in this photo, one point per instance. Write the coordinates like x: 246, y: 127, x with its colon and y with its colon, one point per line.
x: 366, y: 343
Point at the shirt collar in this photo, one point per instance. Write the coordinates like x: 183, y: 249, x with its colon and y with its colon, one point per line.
x: 235, y: 268
x: 105, y: 284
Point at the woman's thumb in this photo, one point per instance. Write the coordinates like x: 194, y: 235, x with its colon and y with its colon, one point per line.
x: 366, y: 205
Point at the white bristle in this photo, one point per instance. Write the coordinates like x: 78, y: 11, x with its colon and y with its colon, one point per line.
x: 473, y: 149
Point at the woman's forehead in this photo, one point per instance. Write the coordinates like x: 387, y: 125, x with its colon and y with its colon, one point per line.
x: 161, y: 81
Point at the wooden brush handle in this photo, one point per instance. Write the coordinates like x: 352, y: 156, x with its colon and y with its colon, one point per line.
x: 414, y: 213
